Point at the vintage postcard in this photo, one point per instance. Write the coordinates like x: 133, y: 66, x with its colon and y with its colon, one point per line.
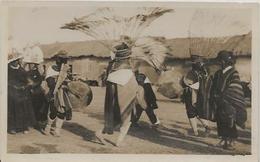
x: 129, y: 81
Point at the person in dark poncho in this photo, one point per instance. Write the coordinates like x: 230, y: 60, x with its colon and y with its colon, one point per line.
x: 121, y: 88
x: 229, y: 100
x: 148, y: 103
x: 20, y: 112
x: 196, y: 92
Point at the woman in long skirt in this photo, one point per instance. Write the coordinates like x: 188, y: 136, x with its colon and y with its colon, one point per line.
x: 20, y: 111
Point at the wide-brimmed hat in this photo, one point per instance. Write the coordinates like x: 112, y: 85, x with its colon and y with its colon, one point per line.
x: 13, y: 56
x: 33, y: 55
x: 62, y: 54
x: 226, y: 56
x: 197, y: 59
x: 122, y: 50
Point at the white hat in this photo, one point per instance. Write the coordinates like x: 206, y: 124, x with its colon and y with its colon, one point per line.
x: 14, y: 55
x: 33, y: 55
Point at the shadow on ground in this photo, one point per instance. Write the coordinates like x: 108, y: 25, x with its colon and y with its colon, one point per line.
x: 79, y: 130
x: 175, y: 139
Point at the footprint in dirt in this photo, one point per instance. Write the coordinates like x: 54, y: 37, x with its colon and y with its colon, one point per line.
x: 49, y: 148
x: 39, y: 148
x: 26, y: 149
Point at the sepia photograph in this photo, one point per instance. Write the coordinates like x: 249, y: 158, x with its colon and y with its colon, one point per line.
x: 138, y: 79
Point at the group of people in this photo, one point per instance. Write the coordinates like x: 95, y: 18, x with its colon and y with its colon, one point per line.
x: 29, y: 104
x: 217, y: 98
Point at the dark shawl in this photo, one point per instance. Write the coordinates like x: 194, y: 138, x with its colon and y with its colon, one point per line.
x: 20, y: 111
x: 204, y: 100
x: 119, y: 100
x: 229, y: 97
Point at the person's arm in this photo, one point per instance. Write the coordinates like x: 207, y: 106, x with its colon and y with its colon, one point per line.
x: 51, y: 83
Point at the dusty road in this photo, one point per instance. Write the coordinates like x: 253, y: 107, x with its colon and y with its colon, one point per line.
x: 172, y: 138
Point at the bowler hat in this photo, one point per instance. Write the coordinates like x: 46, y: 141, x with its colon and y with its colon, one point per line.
x: 226, y: 56
x: 62, y: 54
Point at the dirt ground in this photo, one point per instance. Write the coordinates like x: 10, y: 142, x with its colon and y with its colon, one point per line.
x: 78, y: 135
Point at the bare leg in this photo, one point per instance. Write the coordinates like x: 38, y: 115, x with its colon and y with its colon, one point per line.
x: 99, y: 136
x: 203, y: 122
x: 47, y: 129
x: 205, y: 125
x: 193, y: 124
x: 59, y: 123
x: 123, y: 130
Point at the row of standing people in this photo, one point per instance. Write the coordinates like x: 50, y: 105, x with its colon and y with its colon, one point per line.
x: 29, y: 105
x: 216, y: 97
x: 26, y: 102
x: 120, y: 101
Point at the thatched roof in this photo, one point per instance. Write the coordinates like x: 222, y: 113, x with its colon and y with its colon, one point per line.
x: 76, y: 49
x: 240, y: 45
x: 179, y: 47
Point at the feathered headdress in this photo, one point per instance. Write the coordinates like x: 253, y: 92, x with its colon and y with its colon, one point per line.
x: 115, y: 25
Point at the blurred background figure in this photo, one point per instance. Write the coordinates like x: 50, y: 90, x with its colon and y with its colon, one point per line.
x: 20, y: 111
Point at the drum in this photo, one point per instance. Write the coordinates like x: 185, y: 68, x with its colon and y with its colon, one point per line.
x: 80, y: 94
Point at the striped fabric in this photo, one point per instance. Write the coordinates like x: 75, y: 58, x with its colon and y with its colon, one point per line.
x: 232, y: 93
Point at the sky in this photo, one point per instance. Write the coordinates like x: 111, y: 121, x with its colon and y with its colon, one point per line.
x: 28, y: 25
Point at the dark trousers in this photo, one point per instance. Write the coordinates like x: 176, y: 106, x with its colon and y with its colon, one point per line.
x: 149, y: 111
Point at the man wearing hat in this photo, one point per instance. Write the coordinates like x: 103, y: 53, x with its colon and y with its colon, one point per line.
x: 229, y: 100
x: 60, y: 108
x: 194, y: 93
x: 20, y: 111
x: 121, y: 88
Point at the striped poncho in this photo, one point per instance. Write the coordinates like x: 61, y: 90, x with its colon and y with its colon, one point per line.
x: 229, y: 96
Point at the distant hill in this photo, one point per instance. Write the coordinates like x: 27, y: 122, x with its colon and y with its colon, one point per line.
x: 179, y: 47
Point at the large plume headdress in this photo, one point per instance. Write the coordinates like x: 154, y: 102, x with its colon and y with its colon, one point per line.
x: 212, y: 30
x: 116, y: 24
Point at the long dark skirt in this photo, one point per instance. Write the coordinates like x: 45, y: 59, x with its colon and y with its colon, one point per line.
x: 20, y: 114
x: 112, y: 111
x: 119, y: 103
x: 40, y: 107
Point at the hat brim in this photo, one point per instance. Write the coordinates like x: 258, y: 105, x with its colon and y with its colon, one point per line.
x: 14, y: 59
